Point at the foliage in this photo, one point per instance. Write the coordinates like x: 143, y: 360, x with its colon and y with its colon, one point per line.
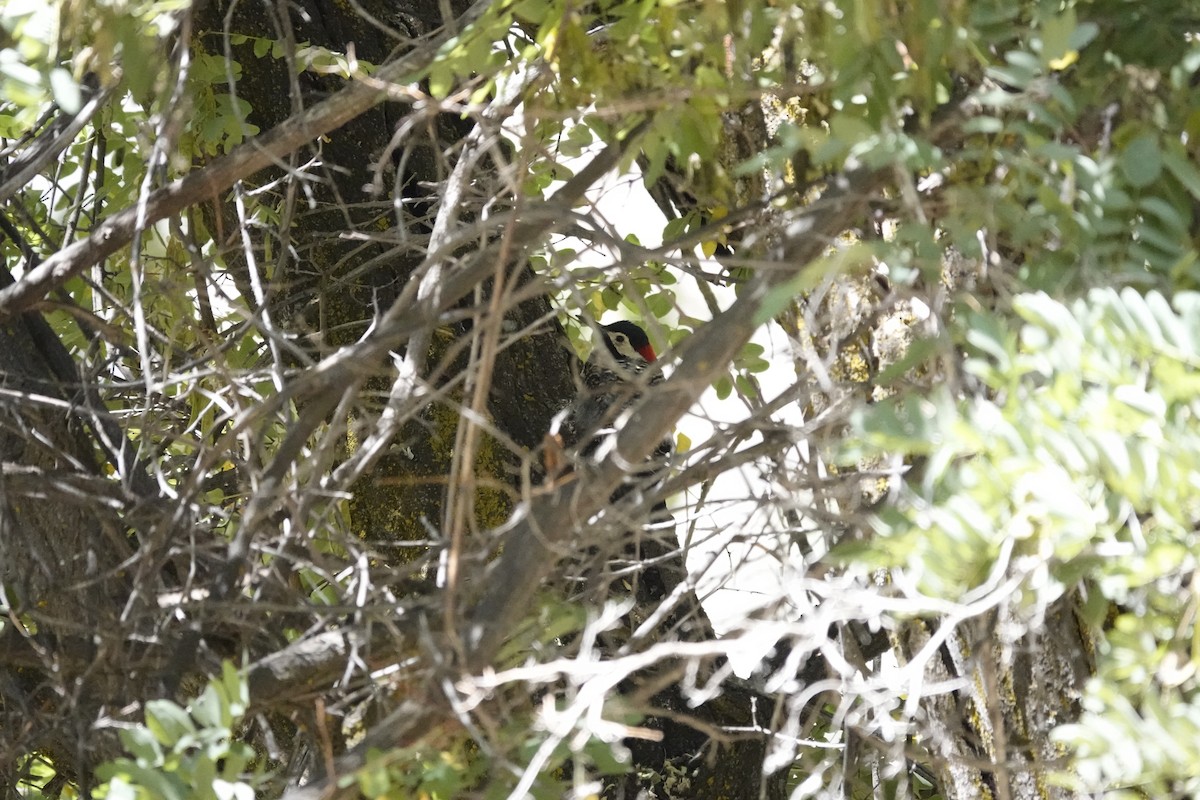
x: 51, y: 46
x: 1079, y: 448
x: 1075, y: 463
x: 966, y: 408
x: 191, y: 753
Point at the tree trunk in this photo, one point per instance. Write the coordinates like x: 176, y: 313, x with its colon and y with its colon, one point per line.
x: 63, y: 557
x: 990, y: 739
x: 328, y: 291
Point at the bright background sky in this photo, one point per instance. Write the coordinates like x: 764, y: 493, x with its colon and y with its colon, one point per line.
x: 731, y: 523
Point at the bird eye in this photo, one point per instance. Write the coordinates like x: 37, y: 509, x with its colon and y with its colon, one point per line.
x: 620, y: 337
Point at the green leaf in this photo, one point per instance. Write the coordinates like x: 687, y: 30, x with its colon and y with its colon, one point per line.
x: 1183, y: 170
x: 10, y: 126
x: 441, y: 80
x: 236, y: 688
x: 153, y: 782
x: 1059, y: 37
x: 1170, y: 215
x: 1083, y: 34
x: 661, y: 303
x: 1166, y: 242
x: 1142, y: 160
x: 142, y: 745
x: 577, y: 139
x: 607, y: 758
x: 168, y: 721
x: 657, y: 152
x: 611, y: 298
x: 1145, y: 322
x: 983, y: 125
x: 208, y: 710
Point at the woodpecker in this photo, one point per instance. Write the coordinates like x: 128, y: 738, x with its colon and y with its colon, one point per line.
x: 626, y: 353
x: 612, y: 382
x: 628, y: 345
x: 619, y: 371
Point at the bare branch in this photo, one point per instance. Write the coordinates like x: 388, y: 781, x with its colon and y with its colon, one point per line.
x: 551, y: 521
x: 530, y: 554
x: 263, y: 151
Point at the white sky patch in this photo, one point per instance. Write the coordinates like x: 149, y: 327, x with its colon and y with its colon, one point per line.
x: 735, y: 537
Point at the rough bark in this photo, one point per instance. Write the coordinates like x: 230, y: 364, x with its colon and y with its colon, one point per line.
x: 343, y: 276
x: 63, y: 552
x: 328, y: 293
x: 990, y: 737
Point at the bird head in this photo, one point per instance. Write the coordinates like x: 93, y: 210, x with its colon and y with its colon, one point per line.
x: 628, y: 343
